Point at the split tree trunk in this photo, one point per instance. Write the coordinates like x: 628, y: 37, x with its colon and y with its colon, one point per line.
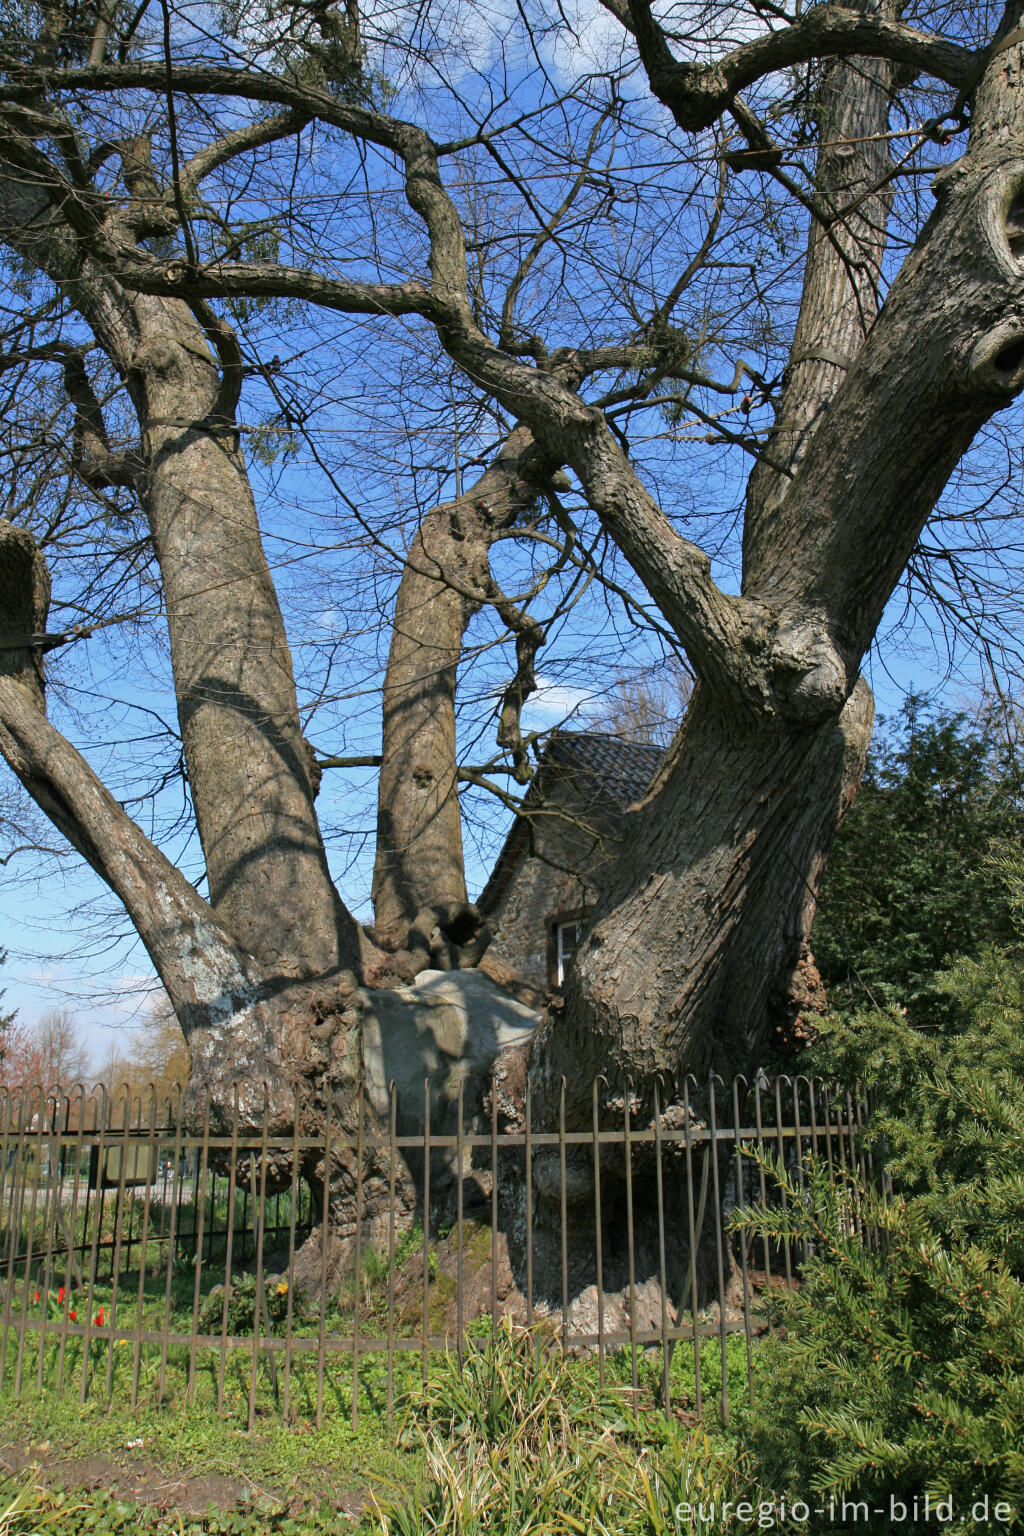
x: 290, y: 1051
x: 264, y: 977
x: 234, y: 684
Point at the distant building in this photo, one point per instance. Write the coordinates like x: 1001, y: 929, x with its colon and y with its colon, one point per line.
x: 548, y: 875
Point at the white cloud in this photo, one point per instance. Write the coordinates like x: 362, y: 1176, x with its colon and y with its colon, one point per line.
x: 587, y: 39
x: 553, y: 702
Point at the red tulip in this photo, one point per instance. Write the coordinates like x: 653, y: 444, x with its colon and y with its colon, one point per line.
x: 98, y: 1319
x: 37, y: 1295
x: 73, y: 1315
x: 60, y: 1294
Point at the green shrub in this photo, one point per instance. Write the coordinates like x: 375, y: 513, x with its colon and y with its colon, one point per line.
x: 242, y: 1297
x: 899, y: 1370
x: 909, y: 880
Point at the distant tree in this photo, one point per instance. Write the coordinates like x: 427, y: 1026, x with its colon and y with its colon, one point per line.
x: 645, y: 707
x: 47, y: 1052
x: 22, y: 1061
x: 64, y: 1054
x: 6, y: 1019
x: 912, y: 879
x: 152, y: 1058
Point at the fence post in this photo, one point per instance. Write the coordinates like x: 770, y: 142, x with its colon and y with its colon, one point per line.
x: 260, y: 1309
x: 152, y: 1162
x: 72, y: 1270
x: 598, y: 1230
x: 666, y: 1359
x: 229, y: 1247
x: 177, y: 1183
x: 392, y: 1175
x: 747, y: 1329
x: 325, y: 1217
x: 290, y: 1280
x: 564, y: 1217
x: 103, y: 1115
x: 360, y: 1133
x: 115, y: 1262
x: 713, y: 1079
x: 630, y: 1241
x: 202, y: 1171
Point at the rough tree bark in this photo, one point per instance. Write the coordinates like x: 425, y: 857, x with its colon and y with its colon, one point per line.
x: 419, y: 875
x: 734, y: 837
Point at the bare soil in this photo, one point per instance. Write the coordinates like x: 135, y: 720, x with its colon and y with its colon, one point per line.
x: 136, y: 1478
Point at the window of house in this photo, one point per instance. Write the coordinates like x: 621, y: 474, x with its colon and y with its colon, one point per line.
x: 567, y: 938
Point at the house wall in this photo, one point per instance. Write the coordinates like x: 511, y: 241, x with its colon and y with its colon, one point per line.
x: 561, y: 882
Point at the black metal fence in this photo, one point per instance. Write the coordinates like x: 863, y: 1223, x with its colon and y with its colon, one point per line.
x: 145, y: 1257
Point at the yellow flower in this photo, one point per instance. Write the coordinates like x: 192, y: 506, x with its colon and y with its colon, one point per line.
x: 282, y: 1288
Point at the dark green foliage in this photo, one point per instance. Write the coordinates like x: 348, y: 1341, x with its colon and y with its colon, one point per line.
x: 901, y: 1368
x: 910, y: 882
x: 948, y: 1099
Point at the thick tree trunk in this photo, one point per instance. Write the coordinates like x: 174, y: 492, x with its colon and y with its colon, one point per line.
x: 295, y: 1051
x: 246, y: 759
x: 216, y: 988
x: 419, y: 864
x: 668, y: 978
x: 842, y: 275
x: 706, y: 910
x: 232, y: 968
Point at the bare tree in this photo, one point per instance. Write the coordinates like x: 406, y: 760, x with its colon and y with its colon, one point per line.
x: 149, y: 1059
x: 645, y: 706
x: 854, y: 417
x: 49, y: 1052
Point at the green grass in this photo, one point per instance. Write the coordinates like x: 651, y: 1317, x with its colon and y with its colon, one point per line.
x: 204, y: 1427
x: 193, y: 1439
x: 221, y: 1373
x: 112, y: 1360
x: 292, y: 1464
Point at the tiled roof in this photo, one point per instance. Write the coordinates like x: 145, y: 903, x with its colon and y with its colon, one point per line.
x: 620, y: 770
x: 609, y: 770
